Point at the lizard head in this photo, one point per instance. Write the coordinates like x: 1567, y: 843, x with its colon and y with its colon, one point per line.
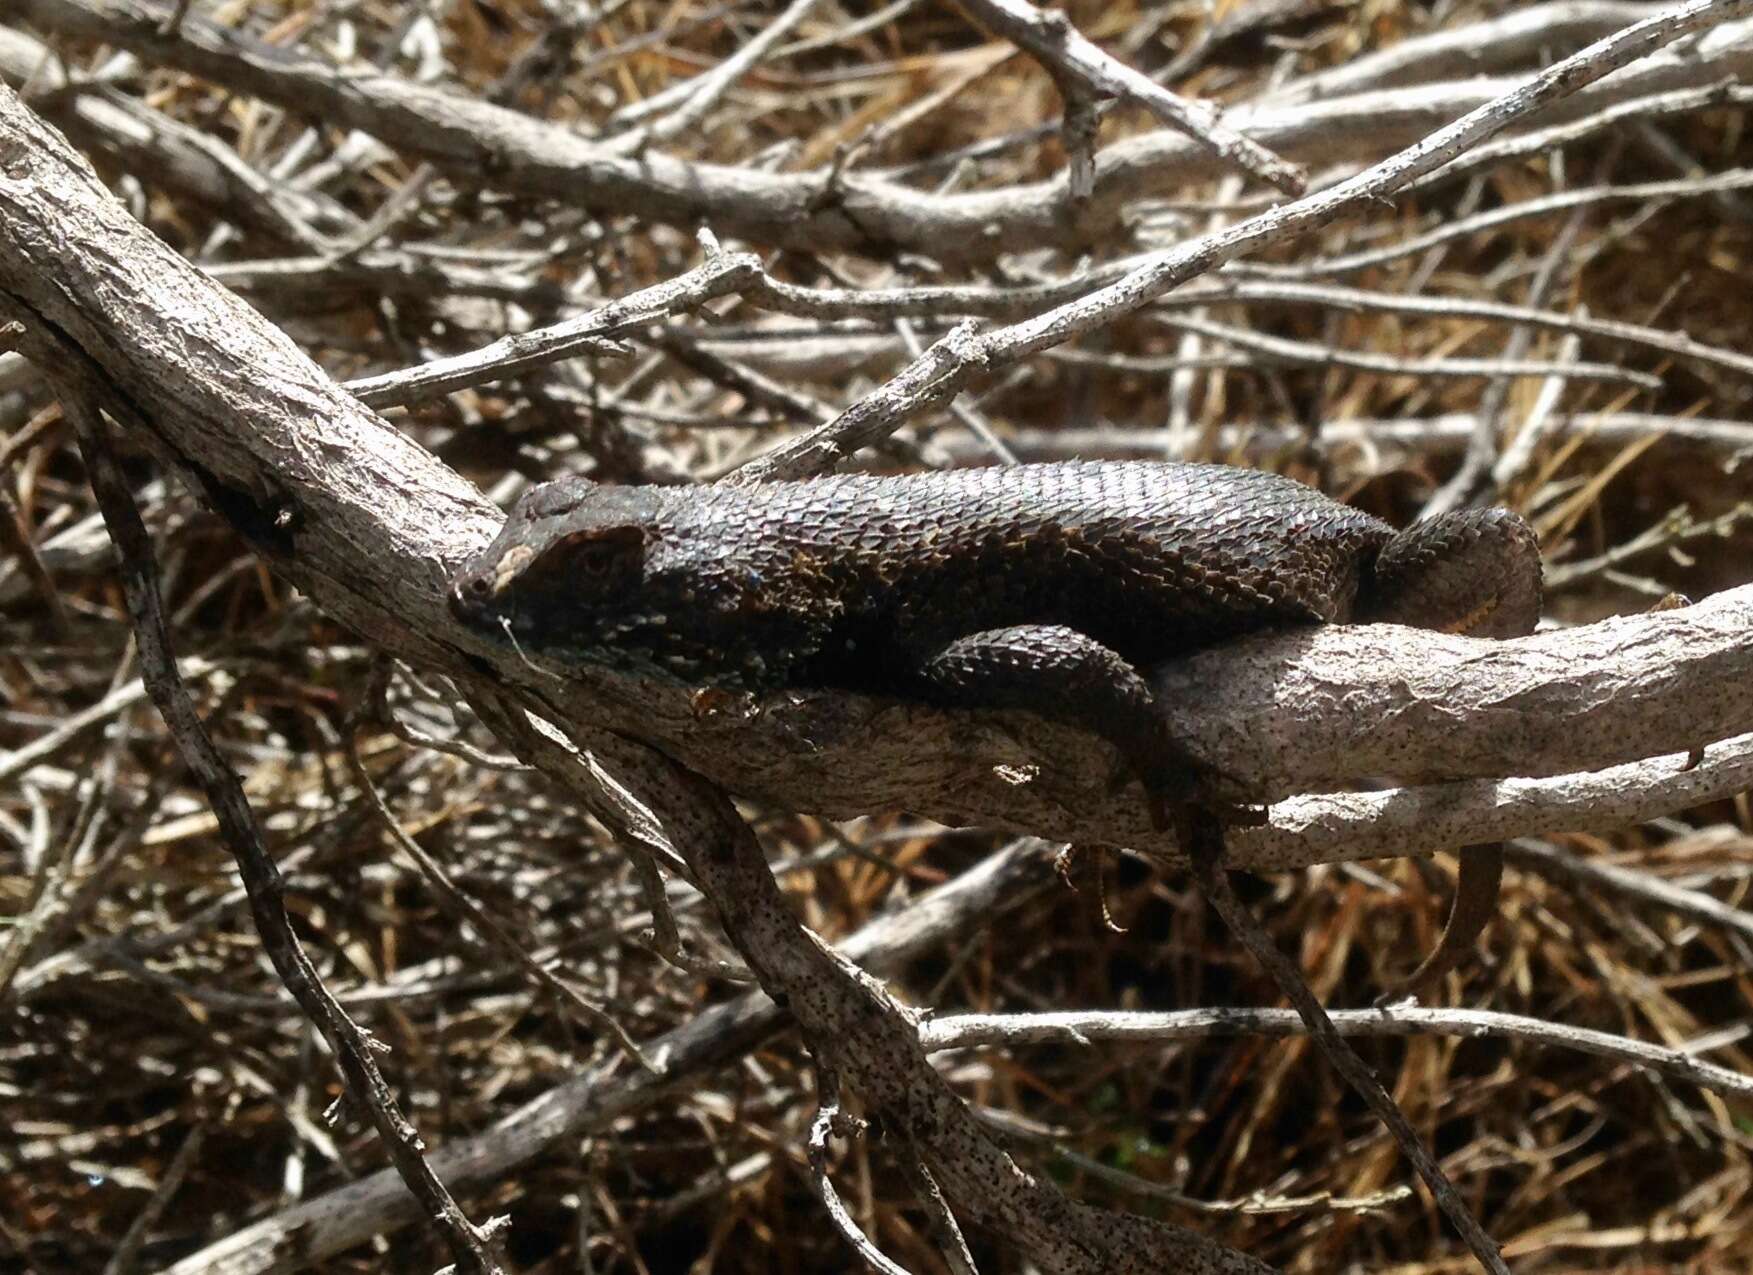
x: 1474, y: 572
x: 568, y: 555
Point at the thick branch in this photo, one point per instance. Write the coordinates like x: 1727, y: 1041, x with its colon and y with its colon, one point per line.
x: 353, y: 511
x: 1322, y: 709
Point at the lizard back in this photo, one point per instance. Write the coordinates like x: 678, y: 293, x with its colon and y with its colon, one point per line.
x: 845, y: 580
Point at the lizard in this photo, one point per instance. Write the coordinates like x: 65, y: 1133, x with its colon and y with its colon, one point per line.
x: 1047, y: 587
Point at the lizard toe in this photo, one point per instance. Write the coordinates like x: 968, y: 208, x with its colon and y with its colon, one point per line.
x: 1172, y: 778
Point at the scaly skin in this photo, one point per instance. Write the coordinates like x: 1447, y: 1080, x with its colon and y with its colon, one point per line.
x: 1041, y: 587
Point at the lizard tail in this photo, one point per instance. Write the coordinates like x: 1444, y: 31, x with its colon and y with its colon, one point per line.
x: 1475, y: 904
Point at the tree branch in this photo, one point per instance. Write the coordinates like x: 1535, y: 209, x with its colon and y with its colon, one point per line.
x: 507, y: 150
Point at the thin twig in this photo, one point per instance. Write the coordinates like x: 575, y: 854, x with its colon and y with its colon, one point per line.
x: 1639, y: 193
x: 946, y: 368
x: 1203, y: 836
x: 1082, y: 1028
x: 1472, y: 479
x: 829, y: 1119
x: 586, y: 333
x: 127, y: 1253
x: 1084, y: 70
x: 1508, y: 367
x: 704, y: 92
x: 462, y: 906
x: 471, y: 1246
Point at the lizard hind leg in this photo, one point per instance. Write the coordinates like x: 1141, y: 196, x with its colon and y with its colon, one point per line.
x: 1062, y: 674
x: 1475, y: 572
x: 1475, y: 904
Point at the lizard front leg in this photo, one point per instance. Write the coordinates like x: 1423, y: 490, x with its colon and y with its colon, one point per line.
x: 1068, y: 676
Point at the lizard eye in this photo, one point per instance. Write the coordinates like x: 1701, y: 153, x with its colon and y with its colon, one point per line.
x: 479, y: 586
x: 596, y: 559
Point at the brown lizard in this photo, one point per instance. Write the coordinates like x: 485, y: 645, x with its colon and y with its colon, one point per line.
x: 1040, y: 587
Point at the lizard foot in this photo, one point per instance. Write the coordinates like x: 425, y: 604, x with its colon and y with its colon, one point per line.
x: 1173, y: 779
